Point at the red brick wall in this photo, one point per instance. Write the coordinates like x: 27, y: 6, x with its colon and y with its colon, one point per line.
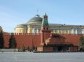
x: 45, y: 35
x: 29, y: 40
x: 23, y: 40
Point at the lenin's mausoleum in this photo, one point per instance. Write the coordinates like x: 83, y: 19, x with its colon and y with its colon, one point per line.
x: 40, y: 36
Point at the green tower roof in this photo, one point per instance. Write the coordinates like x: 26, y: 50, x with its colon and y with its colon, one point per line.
x: 45, y: 20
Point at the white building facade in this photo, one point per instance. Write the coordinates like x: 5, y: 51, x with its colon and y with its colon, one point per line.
x: 34, y: 26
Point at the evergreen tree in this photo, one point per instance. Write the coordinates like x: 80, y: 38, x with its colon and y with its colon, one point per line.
x: 82, y: 43
x: 1, y: 40
x: 12, y: 41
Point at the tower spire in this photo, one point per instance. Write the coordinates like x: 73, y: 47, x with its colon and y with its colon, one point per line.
x: 45, y: 24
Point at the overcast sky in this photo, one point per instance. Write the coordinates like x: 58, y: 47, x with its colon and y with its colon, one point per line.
x: 13, y: 12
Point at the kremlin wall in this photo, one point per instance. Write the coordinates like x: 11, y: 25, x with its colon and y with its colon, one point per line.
x: 41, y: 38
